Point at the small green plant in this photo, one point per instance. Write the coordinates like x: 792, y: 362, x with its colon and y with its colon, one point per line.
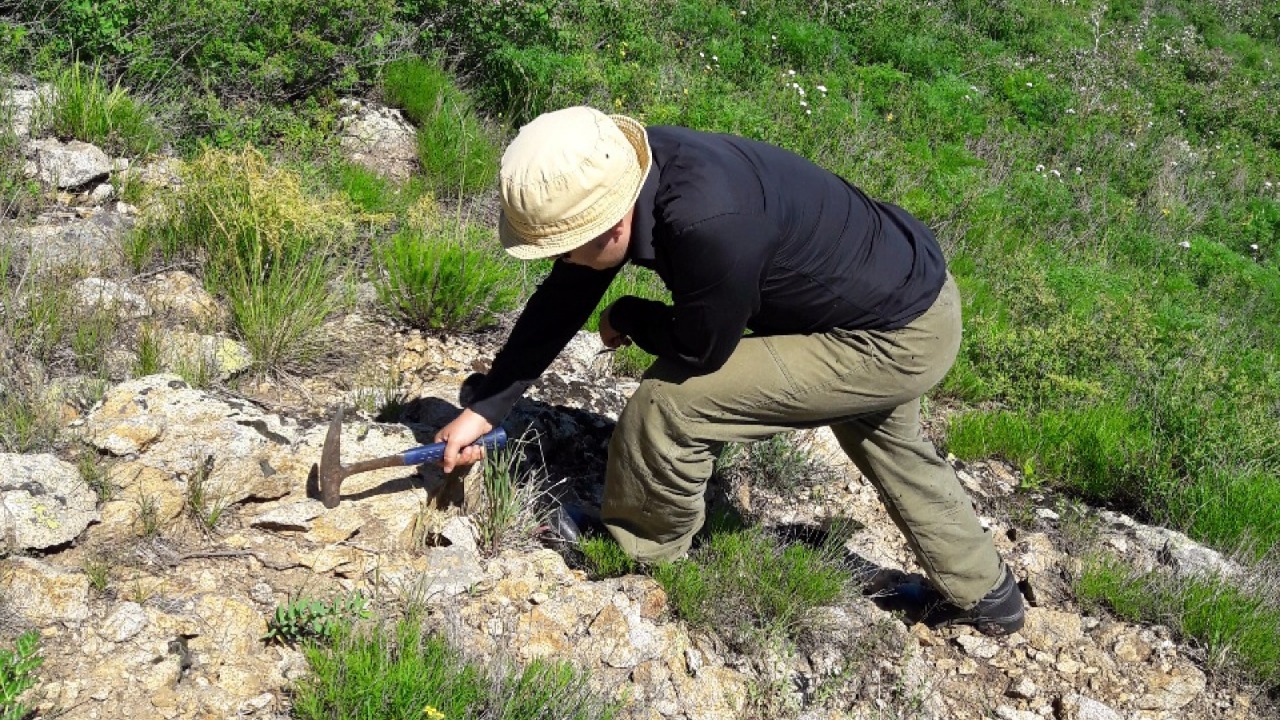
x: 310, y: 619
x: 203, y: 505
x: 781, y: 464
x: 94, y: 334
x: 17, y: 674
x: 446, y: 279
x: 385, y: 401
x: 98, y: 568
x: 198, y: 366
x: 148, y: 515
x: 94, y: 473
x: 83, y: 107
x: 27, y: 422
x: 453, y: 145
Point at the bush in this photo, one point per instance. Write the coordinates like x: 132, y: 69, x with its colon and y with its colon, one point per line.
x: 447, y: 277
x: 266, y: 245
x: 456, y: 152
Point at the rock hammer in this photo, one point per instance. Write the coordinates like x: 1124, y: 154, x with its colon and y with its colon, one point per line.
x: 332, y: 472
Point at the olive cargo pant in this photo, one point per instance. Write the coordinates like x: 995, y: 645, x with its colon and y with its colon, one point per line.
x: 865, y: 384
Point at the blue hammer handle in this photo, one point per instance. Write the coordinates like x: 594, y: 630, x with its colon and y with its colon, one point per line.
x: 435, y: 451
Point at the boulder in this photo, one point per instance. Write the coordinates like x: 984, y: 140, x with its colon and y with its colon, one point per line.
x: 379, y: 139
x: 42, y: 593
x: 43, y: 502
x: 69, y: 165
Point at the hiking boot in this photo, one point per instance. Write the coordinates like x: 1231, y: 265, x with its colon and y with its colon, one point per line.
x: 569, y: 524
x: 1000, y: 612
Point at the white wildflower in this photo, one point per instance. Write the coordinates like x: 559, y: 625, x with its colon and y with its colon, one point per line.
x: 1039, y: 168
x: 1079, y: 169
x: 822, y: 88
x: 1071, y: 111
x: 1254, y: 247
x: 1184, y: 244
x: 804, y: 104
x: 1030, y: 85
x: 1054, y: 172
x: 808, y: 112
x: 791, y: 72
x: 701, y: 54
x: 715, y: 59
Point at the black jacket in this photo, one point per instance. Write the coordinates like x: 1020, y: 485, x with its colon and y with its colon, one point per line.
x: 746, y: 236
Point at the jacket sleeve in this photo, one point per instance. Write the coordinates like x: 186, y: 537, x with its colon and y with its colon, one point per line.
x: 556, y: 310
x: 717, y: 268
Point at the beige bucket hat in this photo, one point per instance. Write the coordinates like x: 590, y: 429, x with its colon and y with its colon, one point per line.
x: 569, y: 176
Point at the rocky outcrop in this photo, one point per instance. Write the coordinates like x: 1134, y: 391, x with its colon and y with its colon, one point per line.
x: 379, y: 139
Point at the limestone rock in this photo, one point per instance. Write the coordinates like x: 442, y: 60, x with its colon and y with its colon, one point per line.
x: 96, y: 293
x: 1080, y: 707
x: 125, y: 622
x: 61, y: 240
x: 43, y: 502
x: 181, y: 296
x: 42, y: 593
x: 380, y: 139
x: 219, y: 357
x: 69, y: 165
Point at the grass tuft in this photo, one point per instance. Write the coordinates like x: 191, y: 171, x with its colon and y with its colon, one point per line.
x: 1238, y: 622
x: 510, y: 499
x: 265, y: 244
x: 398, y: 672
x: 456, y: 151
x: 448, y: 277
x: 751, y: 586
x: 83, y: 107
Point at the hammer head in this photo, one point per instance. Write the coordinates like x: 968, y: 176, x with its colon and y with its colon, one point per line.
x: 331, y: 471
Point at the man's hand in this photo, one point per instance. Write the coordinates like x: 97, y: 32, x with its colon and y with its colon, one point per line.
x: 459, y: 437
x: 611, y: 338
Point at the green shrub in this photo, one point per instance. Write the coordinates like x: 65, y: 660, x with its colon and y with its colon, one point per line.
x: 779, y: 464
x: 456, y: 152
x: 17, y: 674
x: 448, y: 277
x: 400, y: 674
x: 310, y: 619
x: 84, y: 108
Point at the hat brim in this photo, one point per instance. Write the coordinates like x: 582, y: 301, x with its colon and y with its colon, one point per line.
x: 526, y: 249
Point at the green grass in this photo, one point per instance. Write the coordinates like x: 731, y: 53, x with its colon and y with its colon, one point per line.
x: 456, y: 152
x: 398, y: 672
x: 1237, y: 622
x: 446, y: 276
x: 779, y: 464
x: 751, y: 587
x: 84, y: 108
x: 605, y: 558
